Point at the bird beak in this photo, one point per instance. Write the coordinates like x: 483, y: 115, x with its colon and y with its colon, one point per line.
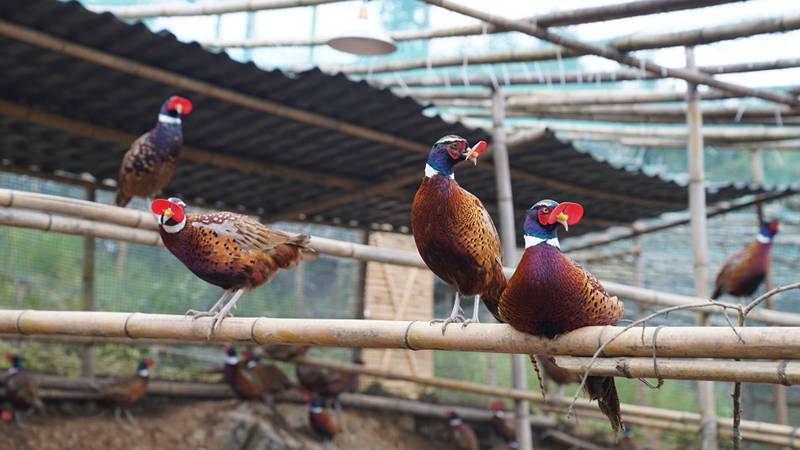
x: 562, y: 219
x: 167, y: 213
x: 475, y: 151
x: 179, y: 108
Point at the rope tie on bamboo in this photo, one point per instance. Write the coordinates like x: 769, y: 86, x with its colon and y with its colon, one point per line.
x: 655, y: 363
x: 125, y: 326
x: 253, y: 331
x: 19, y: 318
x: 782, y: 373
x: 624, y: 367
x: 406, y: 343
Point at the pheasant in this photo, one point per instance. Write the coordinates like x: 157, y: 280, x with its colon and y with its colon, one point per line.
x: 21, y: 389
x: 454, y: 233
x: 129, y: 390
x: 501, y: 426
x: 285, y: 352
x: 555, y: 373
x: 150, y: 162
x: 321, y: 421
x: 463, y: 435
x: 549, y: 294
x: 326, y: 383
x: 627, y: 442
x: 745, y: 271
x: 271, y: 376
x: 232, y: 251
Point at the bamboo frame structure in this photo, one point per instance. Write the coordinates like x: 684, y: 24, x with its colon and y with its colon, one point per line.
x: 638, y: 229
x: 537, y: 77
x: 677, y: 342
x: 717, y: 134
x: 205, y: 8
x: 659, y: 143
x: 585, y: 98
x: 147, y: 235
x: 551, y: 19
x: 747, y: 118
x: 619, y: 55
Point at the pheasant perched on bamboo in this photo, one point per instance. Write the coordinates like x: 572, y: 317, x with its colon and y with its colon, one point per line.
x: 21, y: 389
x: 558, y: 375
x: 501, y: 425
x: 454, y: 233
x: 745, y: 271
x: 549, y: 294
x: 463, y: 436
x: 232, y: 251
x: 128, y: 390
x: 149, y: 164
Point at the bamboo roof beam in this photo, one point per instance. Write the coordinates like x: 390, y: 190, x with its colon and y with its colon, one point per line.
x: 33, y: 219
x: 657, y: 142
x: 751, y: 119
x: 678, y: 342
x: 568, y: 48
x: 203, y: 8
x: 537, y: 77
x: 732, y: 134
x: 193, y: 154
x: 176, y: 80
x: 618, y: 54
x: 552, y: 19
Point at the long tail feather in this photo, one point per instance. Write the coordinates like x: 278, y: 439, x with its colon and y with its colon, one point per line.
x: 538, y: 376
x: 604, y: 391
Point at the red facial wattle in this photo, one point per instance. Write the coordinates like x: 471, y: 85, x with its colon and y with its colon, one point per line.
x: 573, y: 211
x: 10, y: 357
x: 185, y: 105
x: 454, y: 152
x: 149, y: 363
x: 159, y: 206
x: 773, y: 227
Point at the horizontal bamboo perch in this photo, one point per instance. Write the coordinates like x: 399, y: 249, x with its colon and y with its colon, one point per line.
x: 678, y: 342
x: 538, y: 77
x: 550, y: 19
x: 146, y: 235
x: 737, y: 134
x: 775, y: 372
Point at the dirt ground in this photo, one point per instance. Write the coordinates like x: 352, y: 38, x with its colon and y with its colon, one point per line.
x: 210, y: 425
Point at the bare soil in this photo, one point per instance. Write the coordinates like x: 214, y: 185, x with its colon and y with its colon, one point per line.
x: 213, y: 425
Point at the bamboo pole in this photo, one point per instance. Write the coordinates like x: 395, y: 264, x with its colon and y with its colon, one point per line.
x: 678, y: 342
x: 508, y: 238
x: 204, y: 8
x: 718, y: 134
x: 88, y: 285
x: 535, y: 114
x: 697, y: 222
x: 618, y: 53
x: 773, y: 372
x: 672, y: 143
x: 537, y: 77
x: 68, y: 225
x: 551, y: 19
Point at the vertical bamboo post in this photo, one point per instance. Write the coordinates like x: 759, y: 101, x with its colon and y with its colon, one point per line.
x: 361, y: 288
x: 697, y: 211
x: 781, y: 406
x: 508, y: 237
x: 89, y: 302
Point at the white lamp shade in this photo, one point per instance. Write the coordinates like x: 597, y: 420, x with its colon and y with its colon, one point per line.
x: 363, y: 43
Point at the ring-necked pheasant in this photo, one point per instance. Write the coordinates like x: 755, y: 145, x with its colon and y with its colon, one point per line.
x: 463, y: 436
x: 271, y: 376
x: 321, y: 421
x: 454, y: 233
x: 128, y: 390
x: 149, y: 164
x: 745, y: 271
x: 21, y: 389
x: 232, y: 251
x: 501, y: 425
x: 549, y: 294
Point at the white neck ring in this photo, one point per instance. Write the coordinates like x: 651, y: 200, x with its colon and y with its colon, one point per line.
x: 430, y: 171
x: 531, y: 241
x: 163, y: 118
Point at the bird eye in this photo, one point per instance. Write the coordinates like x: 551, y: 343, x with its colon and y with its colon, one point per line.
x: 544, y: 210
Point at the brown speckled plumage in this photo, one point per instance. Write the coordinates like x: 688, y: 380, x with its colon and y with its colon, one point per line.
x: 146, y: 168
x: 457, y: 239
x: 234, y: 251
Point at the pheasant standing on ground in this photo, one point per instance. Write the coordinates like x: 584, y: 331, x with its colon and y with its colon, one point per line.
x: 463, y: 435
x: 21, y: 389
x: 129, y: 390
x: 271, y: 376
x: 501, y: 425
x: 454, y: 233
x: 232, y: 251
x: 249, y: 382
x: 327, y: 383
x: 627, y: 441
x: 321, y: 421
x: 745, y: 271
x: 549, y: 294
x: 149, y: 164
